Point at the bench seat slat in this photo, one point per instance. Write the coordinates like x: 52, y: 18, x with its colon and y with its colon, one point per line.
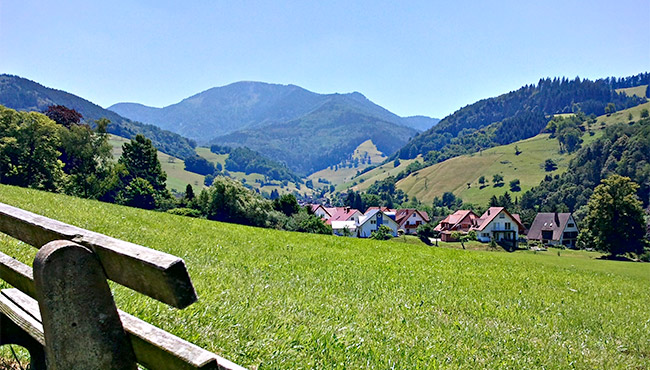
x: 153, y: 347
x: 156, y: 274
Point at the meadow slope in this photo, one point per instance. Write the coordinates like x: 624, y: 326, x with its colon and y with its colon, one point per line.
x: 281, y: 300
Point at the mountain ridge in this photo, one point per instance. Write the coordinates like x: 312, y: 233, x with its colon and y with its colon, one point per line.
x: 20, y: 93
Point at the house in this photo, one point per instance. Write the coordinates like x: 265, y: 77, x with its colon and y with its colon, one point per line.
x: 344, y: 214
x: 461, y: 221
x: 554, y: 229
x: 320, y: 211
x: 409, y: 219
x: 499, y: 225
x: 338, y: 228
x: 372, y: 220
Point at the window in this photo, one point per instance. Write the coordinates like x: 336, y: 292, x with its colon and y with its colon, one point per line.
x: 570, y: 225
x: 502, y: 215
x: 372, y: 222
x: 507, y: 225
x: 486, y: 235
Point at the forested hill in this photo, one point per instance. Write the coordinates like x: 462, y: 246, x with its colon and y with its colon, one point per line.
x: 548, y: 96
x: 322, y: 138
x: 624, y: 150
x: 248, y: 105
x: 22, y: 94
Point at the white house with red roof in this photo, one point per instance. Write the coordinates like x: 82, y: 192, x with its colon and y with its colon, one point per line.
x: 499, y: 225
x: 320, y: 211
x: 409, y: 219
x: 372, y: 220
x: 344, y: 214
x: 460, y: 221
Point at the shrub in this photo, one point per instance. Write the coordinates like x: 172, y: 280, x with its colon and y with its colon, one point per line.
x: 189, y: 212
x: 383, y: 233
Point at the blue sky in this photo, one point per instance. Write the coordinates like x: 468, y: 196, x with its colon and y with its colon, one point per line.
x: 412, y: 57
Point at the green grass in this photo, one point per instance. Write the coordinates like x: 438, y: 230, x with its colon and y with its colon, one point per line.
x: 280, y: 300
x: 344, y: 174
x: 639, y: 91
x: 250, y: 178
x: 177, y: 176
x: 454, y: 174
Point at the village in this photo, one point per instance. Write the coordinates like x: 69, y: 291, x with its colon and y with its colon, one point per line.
x: 497, y: 225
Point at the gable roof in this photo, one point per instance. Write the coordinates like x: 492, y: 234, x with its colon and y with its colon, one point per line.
x: 548, y: 221
x: 383, y: 209
x: 491, y: 214
x: 363, y: 219
x: 456, y: 218
x: 342, y: 214
x: 402, y: 215
x: 315, y: 207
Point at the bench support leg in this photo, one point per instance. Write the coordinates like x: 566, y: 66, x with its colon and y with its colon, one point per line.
x: 80, y: 321
x: 11, y: 333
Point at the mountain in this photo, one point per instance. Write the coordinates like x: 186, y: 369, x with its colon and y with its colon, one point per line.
x: 322, y: 138
x: 246, y: 105
x: 549, y: 96
x: 26, y: 95
x: 420, y: 123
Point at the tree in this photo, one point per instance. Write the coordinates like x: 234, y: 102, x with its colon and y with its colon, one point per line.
x: 28, y: 150
x: 199, y: 165
x: 549, y: 165
x: 382, y: 233
x: 644, y: 113
x: 515, y: 185
x: 189, y: 192
x: 88, y: 160
x: 614, y: 221
x: 396, y: 162
x: 63, y: 115
x: 140, y: 160
x: 425, y: 232
x: 497, y: 179
x: 481, y: 180
x: 138, y: 193
x: 610, y: 108
x: 517, y: 151
x: 286, y: 204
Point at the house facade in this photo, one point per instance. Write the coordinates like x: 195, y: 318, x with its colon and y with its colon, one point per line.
x: 409, y: 219
x: 554, y: 229
x: 372, y: 220
x: 499, y: 225
x: 320, y: 211
x: 460, y: 221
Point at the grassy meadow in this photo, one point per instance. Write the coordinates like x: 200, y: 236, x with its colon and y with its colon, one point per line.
x: 639, y: 91
x: 454, y: 174
x: 177, y: 176
x: 281, y: 300
x: 344, y: 174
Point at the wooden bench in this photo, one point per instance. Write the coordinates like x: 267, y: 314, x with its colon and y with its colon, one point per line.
x: 63, y: 312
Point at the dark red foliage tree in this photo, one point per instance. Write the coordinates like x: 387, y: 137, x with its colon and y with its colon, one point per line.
x: 63, y: 115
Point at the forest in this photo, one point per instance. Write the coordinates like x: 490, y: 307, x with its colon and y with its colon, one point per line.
x: 547, y: 97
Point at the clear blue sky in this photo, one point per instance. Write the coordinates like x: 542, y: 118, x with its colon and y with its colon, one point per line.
x: 412, y: 57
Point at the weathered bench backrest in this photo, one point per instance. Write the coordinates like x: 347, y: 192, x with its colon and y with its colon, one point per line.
x: 153, y: 273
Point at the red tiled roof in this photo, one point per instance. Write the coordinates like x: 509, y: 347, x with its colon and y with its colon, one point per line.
x: 383, y: 209
x: 491, y: 213
x: 403, y: 214
x: 456, y: 218
x: 342, y: 214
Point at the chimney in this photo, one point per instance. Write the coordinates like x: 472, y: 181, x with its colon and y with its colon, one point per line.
x: 557, y: 219
x: 488, y: 211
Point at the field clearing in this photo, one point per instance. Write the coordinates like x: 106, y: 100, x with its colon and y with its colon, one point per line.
x: 639, y: 91
x: 454, y: 174
x: 177, y: 176
x: 376, y: 174
x: 281, y: 300
x: 621, y: 116
x: 344, y: 174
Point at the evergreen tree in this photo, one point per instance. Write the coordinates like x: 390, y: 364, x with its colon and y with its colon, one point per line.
x: 189, y: 192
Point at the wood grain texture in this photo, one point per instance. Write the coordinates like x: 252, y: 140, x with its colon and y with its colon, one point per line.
x: 156, y: 274
x: 153, y: 347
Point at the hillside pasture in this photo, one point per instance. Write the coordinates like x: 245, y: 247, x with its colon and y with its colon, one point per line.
x: 343, y: 173
x: 281, y: 300
x: 639, y: 91
x: 453, y: 174
x: 177, y: 176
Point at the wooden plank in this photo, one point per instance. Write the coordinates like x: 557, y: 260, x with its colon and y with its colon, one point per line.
x: 154, y: 273
x: 153, y: 347
x: 23, y: 311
